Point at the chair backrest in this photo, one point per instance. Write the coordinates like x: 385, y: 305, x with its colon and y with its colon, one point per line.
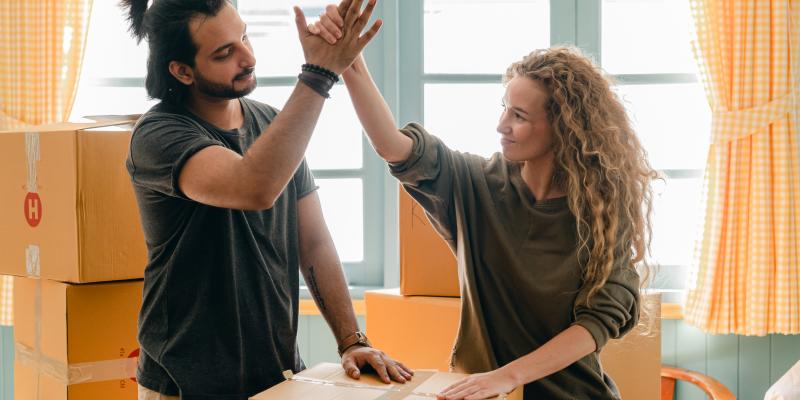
x: 712, y: 387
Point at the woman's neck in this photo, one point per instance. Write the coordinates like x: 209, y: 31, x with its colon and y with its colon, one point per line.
x: 538, y: 175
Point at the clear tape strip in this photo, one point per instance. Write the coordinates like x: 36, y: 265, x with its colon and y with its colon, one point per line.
x: 33, y: 156
x: 95, y: 371
x: 32, y: 265
x: 392, y: 392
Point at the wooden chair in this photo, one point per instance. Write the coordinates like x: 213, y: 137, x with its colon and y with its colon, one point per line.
x: 712, y: 387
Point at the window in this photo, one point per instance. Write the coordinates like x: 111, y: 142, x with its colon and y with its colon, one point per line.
x: 646, y: 45
x: 441, y: 62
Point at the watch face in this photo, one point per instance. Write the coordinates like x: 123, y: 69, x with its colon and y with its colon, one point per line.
x: 362, y: 339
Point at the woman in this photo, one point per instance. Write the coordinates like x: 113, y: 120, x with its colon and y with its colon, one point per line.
x: 547, y: 233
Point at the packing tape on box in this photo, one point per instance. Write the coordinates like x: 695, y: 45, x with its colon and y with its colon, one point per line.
x: 68, y: 374
x: 391, y: 392
x: 32, y: 266
x: 33, y: 156
x: 95, y: 371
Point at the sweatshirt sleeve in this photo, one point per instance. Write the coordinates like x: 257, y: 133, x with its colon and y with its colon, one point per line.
x: 614, y: 309
x: 431, y: 175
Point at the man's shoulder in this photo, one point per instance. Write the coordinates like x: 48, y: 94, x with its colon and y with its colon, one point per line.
x: 166, y: 115
x: 164, y: 110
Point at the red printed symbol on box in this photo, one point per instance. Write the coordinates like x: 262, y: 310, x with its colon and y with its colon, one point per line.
x: 134, y: 354
x: 33, y: 209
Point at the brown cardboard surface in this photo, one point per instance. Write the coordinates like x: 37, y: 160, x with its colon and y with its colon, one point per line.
x: 419, y: 331
x: 88, y: 226
x: 427, y: 265
x: 327, y: 381
x: 78, y: 325
x: 634, y: 362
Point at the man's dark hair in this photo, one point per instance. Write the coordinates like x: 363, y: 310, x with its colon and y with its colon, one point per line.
x: 165, y: 26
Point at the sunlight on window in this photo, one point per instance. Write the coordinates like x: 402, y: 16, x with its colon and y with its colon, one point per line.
x: 342, y: 205
x: 647, y: 36
x: 465, y: 116
x: 482, y: 36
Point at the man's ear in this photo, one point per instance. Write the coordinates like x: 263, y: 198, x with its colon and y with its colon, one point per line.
x: 182, y: 72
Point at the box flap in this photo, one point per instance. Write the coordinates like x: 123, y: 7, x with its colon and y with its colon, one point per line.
x: 70, y: 126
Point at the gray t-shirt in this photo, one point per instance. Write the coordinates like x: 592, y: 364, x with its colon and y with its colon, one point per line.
x: 221, y: 287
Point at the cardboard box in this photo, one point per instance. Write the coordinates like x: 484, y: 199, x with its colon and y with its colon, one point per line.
x: 85, y: 336
x: 417, y: 330
x: 328, y: 381
x: 427, y: 265
x: 67, y: 205
x: 420, y: 332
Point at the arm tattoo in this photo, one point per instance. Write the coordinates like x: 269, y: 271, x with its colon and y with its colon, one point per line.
x: 314, y: 289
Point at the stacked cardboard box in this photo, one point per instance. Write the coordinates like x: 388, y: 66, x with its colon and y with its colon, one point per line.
x: 75, y: 341
x: 71, y: 236
x: 417, y: 323
x: 427, y: 265
x: 421, y: 330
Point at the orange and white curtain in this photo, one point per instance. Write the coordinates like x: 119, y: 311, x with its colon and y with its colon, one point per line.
x: 746, y: 275
x: 6, y: 306
x: 41, y: 50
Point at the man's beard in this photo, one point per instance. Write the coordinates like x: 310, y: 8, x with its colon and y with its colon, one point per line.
x: 214, y: 89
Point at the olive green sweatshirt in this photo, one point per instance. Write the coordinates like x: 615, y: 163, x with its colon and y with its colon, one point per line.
x: 518, y: 267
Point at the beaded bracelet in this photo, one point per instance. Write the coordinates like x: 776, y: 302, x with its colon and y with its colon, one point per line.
x: 321, y: 71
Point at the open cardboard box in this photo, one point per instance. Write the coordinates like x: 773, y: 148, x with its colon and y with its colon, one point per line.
x: 327, y: 381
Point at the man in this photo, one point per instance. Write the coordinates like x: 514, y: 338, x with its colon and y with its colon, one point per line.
x: 229, y: 207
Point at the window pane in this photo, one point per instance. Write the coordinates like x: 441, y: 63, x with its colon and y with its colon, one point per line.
x: 110, y: 49
x: 93, y: 100
x: 482, y: 36
x: 342, y: 205
x: 647, y: 36
x: 677, y: 220
x: 673, y: 121
x: 336, y: 143
x: 272, y: 32
x: 465, y: 116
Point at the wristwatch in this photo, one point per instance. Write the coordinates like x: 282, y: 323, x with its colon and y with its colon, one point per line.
x: 357, y: 338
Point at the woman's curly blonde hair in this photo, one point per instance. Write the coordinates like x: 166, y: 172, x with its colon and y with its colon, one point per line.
x: 600, y: 162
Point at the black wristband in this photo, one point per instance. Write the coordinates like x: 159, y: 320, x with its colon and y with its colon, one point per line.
x: 321, y: 71
x: 319, y: 83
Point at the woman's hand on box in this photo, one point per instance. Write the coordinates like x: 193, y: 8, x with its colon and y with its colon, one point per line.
x: 479, y: 386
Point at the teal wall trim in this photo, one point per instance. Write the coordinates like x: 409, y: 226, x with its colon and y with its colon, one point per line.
x: 6, y: 363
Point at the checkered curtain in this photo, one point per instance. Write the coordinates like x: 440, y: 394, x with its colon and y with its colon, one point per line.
x: 746, y: 275
x: 6, y: 308
x: 41, y: 49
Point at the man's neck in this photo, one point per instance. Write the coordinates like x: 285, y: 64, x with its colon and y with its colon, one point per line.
x: 223, y: 113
